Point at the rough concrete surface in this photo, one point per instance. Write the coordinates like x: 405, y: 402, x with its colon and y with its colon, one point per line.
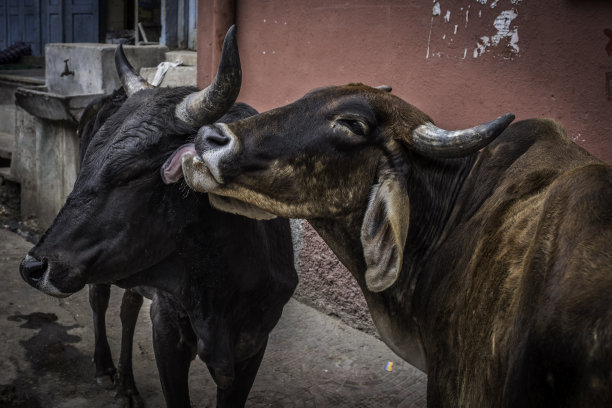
x: 327, y: 285
x: 312, y: 360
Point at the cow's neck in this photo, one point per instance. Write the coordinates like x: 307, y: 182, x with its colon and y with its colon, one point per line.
x: 432, y: 196
x: 191, y: 216
x: 433, y: 187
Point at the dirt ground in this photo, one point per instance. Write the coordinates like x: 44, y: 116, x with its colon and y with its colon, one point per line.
x: 9, y: 213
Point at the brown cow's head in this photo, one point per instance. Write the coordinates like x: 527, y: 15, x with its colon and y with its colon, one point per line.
x: 338, y: 151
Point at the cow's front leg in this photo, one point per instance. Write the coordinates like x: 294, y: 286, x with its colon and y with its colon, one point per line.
x: 244, y: 376
x: 174, y: 344
x: 126, y: 387
x: 103, y: 360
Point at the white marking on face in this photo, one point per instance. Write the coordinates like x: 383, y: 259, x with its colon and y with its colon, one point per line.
x: 197, y: 174
x: 212, y: 158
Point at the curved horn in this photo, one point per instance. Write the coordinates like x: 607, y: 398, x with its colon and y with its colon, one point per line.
x: 131, y: 81
x: 210, y: 104
x: 431, y: 141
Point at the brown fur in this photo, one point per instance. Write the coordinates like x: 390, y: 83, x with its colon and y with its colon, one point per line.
x: 505, y: 293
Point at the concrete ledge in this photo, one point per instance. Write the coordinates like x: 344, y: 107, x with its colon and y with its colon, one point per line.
x: 46, y: 105
x: 24, y: 76
x: 188, y: 58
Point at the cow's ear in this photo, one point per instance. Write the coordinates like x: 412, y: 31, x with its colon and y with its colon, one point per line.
x: 383, y: 233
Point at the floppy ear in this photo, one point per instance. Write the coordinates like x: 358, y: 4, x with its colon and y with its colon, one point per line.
x: 383, y: 233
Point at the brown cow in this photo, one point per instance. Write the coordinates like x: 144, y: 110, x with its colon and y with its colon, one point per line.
x: 490, y: 270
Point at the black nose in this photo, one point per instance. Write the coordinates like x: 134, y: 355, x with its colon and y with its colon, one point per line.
x: 212, y: 137
x: 32, y: 270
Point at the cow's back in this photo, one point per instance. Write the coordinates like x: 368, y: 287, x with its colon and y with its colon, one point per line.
x: 530, y: 282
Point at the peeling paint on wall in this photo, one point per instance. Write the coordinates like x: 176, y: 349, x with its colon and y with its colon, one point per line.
x: 504, y: 32
x: 435, y: 12
x: 458, y: 31
x: 436, y: 9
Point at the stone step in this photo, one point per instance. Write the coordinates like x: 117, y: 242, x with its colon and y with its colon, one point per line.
x: 188, y: 58
x: 33, y: 60
x: 7, y: 145
x: 5, y: 174
x: 7, y: 118
x: 176, y: 76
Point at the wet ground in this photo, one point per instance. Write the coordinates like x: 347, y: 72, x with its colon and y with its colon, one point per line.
x: 312, y: 360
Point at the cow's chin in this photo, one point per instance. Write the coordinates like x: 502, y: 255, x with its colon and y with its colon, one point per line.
x: 235, y: 206
x: 197, y: 175
x: 49, y: 289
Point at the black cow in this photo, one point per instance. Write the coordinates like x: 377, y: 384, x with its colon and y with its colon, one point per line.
x: 490, y: 270
x: 218, y: 281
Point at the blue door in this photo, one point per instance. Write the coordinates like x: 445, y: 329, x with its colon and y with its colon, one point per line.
x: 53, y: 21
x: 38, y: 22
x: 81, y: 21
x: 20, y: 22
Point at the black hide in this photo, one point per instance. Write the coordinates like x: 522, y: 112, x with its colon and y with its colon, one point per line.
x: 218, y: 282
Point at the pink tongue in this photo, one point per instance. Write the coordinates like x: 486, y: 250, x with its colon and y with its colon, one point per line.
x: 172, y: 170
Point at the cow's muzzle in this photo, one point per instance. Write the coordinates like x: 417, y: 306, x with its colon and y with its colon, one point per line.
x: 199, y: 162
x: 37, y: 273
x: 32, y: 270
x: 211, y: 138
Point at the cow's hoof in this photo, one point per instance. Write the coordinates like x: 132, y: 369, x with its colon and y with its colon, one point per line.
x: 129, y: 399
x: 107, y: 381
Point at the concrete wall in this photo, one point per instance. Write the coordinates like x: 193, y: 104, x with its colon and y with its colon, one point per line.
x: 92, y: 66
x: 45, y: 161
x: 461, y: 61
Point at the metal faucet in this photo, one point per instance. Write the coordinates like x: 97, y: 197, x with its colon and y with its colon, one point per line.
x: 66, y: 70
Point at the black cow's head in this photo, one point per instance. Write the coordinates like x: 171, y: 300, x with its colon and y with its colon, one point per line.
x: 335, y: 152
x: 119, y: 197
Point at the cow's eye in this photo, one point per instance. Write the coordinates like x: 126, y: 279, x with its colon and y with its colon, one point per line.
x: 354, y: 125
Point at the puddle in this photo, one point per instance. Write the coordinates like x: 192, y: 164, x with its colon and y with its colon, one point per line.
x: 50, y: 350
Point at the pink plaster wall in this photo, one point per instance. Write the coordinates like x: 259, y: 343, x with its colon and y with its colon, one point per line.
x: 550, y: 61
x: 289, y: 47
